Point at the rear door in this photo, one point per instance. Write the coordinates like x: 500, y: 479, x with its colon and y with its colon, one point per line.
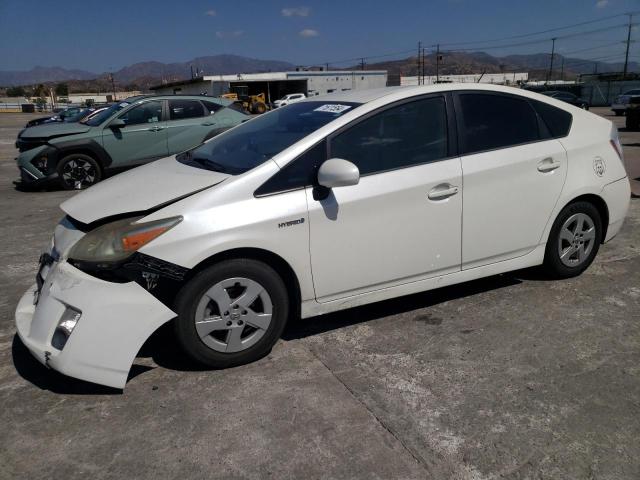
x: 513, y: 175
x: 187, y: 125
x: 141, y: 140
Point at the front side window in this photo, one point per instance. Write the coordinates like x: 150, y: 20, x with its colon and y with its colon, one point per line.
x: 401, y: 136
x: 252, y: 143
x: 181, y: 109
x: 148, y: 112
x: 105, y: 114
x: 496, y: 121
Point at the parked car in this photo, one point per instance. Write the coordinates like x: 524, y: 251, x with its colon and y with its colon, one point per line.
x: 132, y: 132
x: 569, y: 98
x: 319, y: 206
x: 622, y: 102
x: 290, y: 98
x: 63, y: 116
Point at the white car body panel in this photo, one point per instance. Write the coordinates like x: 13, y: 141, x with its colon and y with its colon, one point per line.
x: 140, y: 189
x: 490, y: 202
x: 379, y: 239
x: 385, y: 230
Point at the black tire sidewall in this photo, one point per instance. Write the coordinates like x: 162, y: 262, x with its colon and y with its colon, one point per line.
x: 552, y: 262
x: 187, y: 302
x: 73, y: 156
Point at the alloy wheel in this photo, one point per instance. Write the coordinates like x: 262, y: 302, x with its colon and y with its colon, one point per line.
x: 576, y: 240
x: 233, y: 315
x: 79, y: 173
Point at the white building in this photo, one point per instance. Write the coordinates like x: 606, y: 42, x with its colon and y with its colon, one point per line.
x: 81, y: 98
x: 275, y: 85
x: 495, y: 78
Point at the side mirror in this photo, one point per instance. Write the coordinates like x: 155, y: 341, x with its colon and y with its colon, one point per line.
x: 337, y: 172
x: 117, y: 123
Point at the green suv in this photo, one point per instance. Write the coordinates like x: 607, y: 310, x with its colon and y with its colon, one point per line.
x: 132, y: 132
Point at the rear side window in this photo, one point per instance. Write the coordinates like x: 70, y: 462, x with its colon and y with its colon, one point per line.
x: 496, y: 121
x: 558, y: 121
x: 181, y: 109
x: 211, y: 107
x: 408, y: 134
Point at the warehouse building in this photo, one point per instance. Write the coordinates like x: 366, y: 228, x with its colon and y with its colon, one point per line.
x: 512, y: 78
x: 276, y: 85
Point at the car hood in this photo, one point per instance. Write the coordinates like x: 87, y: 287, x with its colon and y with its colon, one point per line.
x: 57, y: 129
x: 141, y: 189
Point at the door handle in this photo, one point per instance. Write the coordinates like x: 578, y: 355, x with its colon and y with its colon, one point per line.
x: 208, y: 124
x: 548, y: 165
x: 442, y: 191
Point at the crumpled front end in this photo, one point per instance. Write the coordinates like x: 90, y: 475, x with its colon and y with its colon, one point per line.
x: 83, y: 326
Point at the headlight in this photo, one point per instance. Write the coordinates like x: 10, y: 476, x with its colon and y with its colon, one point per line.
x: 118, y: 240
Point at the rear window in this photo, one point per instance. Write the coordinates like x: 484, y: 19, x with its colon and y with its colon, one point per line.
x: 558, y: 121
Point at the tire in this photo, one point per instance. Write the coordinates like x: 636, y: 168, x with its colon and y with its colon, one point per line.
x: 78, y: 171
x: 230, y: 337
x: 571, y: 248
x: 632, y: 123
x: 258, y: 108
x: 618, y: 113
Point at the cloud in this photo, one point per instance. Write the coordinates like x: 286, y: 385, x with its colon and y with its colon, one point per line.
x: 210, y: 13
x: 308, y: 32
x: 296, y: 12
x: 602, y: 3
x: 234, y: 34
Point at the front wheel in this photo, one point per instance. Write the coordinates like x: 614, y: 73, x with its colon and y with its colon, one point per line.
x: 574, y: 240
x: 78, y: 171
x: 231, y: 313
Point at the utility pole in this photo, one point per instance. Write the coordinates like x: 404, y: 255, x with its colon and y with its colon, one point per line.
x: 191, y: 72
x: 113, y: 86
x: 326, y: 67
x: 562, y: 70
x: 553, y: 51
x: 438, y: 63
x: 423, y: 66
x: 419, y: 58
x: 626, y: 55
x: 362, y: 64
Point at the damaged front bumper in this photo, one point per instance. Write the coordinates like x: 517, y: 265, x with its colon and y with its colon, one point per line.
x: 115, y: 319
x: 37, y: 167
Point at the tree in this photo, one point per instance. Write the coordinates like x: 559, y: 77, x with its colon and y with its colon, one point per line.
x: 39, y: 90
x: 62, y: 90
x: 15, y: 92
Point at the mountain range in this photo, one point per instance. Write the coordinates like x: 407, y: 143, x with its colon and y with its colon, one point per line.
x: 142, y: 75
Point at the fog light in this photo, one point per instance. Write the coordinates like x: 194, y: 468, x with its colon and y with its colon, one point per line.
x: 65, y: 327
x: 41, y: 163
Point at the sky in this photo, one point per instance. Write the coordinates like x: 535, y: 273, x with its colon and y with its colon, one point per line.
x: 101, y: 36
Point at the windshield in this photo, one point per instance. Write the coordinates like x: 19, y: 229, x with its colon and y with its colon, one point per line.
x: 77, y: 116
x: 105, y: 114
x: 258, y: 140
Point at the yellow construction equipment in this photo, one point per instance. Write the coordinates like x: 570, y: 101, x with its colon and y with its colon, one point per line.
x: 256, y: 104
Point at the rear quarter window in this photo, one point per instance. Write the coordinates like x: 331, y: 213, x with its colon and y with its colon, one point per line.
x: 558, y: 121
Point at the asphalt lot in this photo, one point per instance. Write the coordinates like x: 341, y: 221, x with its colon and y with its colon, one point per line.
x: 511, y: 376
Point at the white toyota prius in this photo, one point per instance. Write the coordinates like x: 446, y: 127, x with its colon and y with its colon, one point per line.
x: 319, y: 206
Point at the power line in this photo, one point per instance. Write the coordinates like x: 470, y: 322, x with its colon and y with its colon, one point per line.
x: 542, y: 31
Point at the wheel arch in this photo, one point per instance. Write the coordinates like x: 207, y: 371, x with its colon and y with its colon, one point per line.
x: 275, y: 261
x: 598, y: 202
x: 84, y: 147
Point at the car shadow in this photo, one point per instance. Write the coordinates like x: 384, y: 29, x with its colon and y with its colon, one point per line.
x: 163, y: 348
x: 46, y: 379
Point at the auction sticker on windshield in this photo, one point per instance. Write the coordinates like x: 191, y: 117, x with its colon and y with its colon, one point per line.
x: 333, y: 108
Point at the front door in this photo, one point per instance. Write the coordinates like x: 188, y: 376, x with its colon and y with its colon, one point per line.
x: 402, y: 222
x: 187, y: 125
x: 143, y: 137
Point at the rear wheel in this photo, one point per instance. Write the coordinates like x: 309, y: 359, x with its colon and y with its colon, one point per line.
x: 231, y: 313
x: 574, y: 240
x: 78, y: 171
